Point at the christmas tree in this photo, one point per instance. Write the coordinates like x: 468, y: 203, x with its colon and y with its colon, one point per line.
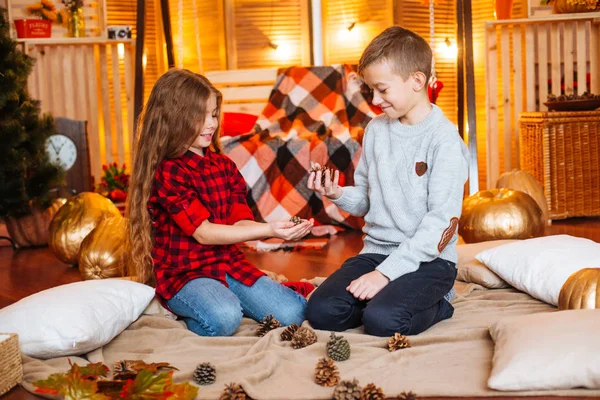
x: 26, y: 174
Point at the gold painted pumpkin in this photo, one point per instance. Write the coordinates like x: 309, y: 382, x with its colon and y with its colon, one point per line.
x: 581, y: 290
x: 75, y: 220
x: 524, y: 182
x: 32, y: 230
x: 570, y: 6
x: 500, y: 214
x: 103, y: 252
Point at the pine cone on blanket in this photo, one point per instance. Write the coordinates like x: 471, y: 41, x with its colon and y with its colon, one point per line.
x: 322, y: 169
x: 296, y: 220
x: 288, y: 332
x: 233, y: 391
x: 397, y: 342
x: 347, y: 390
x: 268, y: 324
x: 338, y: 348
x: 326, y: 373
x: 407, y: 396
x: 303, y: 337
x: 205, y: 374
x: 372, y: 392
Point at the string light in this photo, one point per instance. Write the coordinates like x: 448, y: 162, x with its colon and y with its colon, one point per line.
x: 351, y: 26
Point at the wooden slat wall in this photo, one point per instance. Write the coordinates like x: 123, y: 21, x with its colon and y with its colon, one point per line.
x: 252, y: 24
x: 526, y: 61
x: 202, y: 18
x: 370, y: 19
x: 414, y: 15
x: 92, y: 85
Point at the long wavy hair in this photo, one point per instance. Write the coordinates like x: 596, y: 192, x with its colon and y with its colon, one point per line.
x: 168, y: 125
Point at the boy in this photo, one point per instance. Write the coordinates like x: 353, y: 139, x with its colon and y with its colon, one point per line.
x: 409, y: 188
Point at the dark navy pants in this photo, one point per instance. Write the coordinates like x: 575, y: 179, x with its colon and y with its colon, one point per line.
x: 408, y: 305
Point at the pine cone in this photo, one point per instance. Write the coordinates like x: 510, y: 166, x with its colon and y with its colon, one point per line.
x: 268, y: 324
x: 326, y: 373
x: 303, y: 337
x: 288, y: 332
x: 322, y: 169
x: 407, y: 396
x: 372, y: 392
x: 338, y: 348
x: 296, y: 220
x: 347, y: 390
x: 233, y: 391
x: 397, y: 342
x: 205, y: 374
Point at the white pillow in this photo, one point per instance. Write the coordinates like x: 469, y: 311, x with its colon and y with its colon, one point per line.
x: 541, y: 266
x: 75, y: 318
x: 551, y: 350
x: 473, y: 271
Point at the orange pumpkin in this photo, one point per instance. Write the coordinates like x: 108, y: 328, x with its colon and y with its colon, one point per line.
x: 500, y: 214
x: 78, y: 217
x: 524, y: 182
x: 581, y: 290
x: 103, y: 252
x: 32, y: 230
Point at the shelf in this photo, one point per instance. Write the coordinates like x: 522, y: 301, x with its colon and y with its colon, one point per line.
x: 74, y: 41
x: 547, y: 18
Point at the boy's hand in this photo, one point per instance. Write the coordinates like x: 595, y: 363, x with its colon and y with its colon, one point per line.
x: 330, y: 189
x: 368, y: 285
x: 287, y: 230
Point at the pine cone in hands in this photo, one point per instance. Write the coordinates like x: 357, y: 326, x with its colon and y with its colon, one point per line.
x: 322, y: 168
x: 326, y: 373
x: 338, y: 348
x: 372, y: 392
x: 407, y: 396
x: 205, y: 374
x: 233, y: 391
x: 397, y: 342
x: 296, y: 220
x: 268, y: 324
x: 347, y: 390
x: 303, y: 337
x: 288, y: 332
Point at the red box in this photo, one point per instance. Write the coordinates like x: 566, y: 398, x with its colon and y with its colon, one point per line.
x: 33, y: 28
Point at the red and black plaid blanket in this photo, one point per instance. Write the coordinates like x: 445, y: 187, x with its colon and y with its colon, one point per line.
x: 315, y: 114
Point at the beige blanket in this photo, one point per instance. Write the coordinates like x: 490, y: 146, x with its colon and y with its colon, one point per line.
x: 453, y: 358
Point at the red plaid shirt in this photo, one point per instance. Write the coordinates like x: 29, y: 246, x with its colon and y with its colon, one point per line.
x: 187, y: 191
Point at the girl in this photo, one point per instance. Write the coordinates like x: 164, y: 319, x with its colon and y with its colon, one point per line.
x: 187, y: 210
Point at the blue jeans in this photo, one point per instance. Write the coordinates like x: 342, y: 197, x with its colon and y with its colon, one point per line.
x: 209, y: 308
x: 408, y: 305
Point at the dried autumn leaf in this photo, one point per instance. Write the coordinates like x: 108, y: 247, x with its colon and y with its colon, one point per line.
x: 183, y: 391
x: 111, y: 389
x: 91, y: 371
x: 51, y: 385
x: 148, y: 386
x: 78, y: 388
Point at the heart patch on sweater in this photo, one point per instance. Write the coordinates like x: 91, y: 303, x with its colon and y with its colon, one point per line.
x: 421, y: 168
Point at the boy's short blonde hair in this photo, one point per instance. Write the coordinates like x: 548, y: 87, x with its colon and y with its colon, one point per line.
x: 406, y: 51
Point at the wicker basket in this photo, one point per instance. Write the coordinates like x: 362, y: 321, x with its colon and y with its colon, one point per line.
x: 562, y: 151
x: 11, y: 367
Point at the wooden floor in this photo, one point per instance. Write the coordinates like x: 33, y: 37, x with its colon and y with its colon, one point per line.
x: 28, y: 271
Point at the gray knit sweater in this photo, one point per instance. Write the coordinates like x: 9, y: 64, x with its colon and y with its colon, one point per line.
x: 409, y: 187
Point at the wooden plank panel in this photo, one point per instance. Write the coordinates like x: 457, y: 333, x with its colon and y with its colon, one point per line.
x: 581, y: 57
x: 251, y: 94
x: 517, y: 84
x: 129, y: 87
x: 105, y: 101
x: 237, y: 77
x: 248, y: 108
x: 118, y: 108
x: 529, y: 69
x: 595, y: 58
x: 56, y: 83
x: 82, y: 100
x: 506, y: 97
x: 94, y: 131
x: 491, y: 71
x: 569, y: 47
x: 542, y: 61
x: 555, y: 59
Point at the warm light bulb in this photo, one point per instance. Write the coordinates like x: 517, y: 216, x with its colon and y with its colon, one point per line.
x: 351, y: 34
x: 144, y: 60
x: 283, y: 51
x: 449, y: 50
x: 121, y: 50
